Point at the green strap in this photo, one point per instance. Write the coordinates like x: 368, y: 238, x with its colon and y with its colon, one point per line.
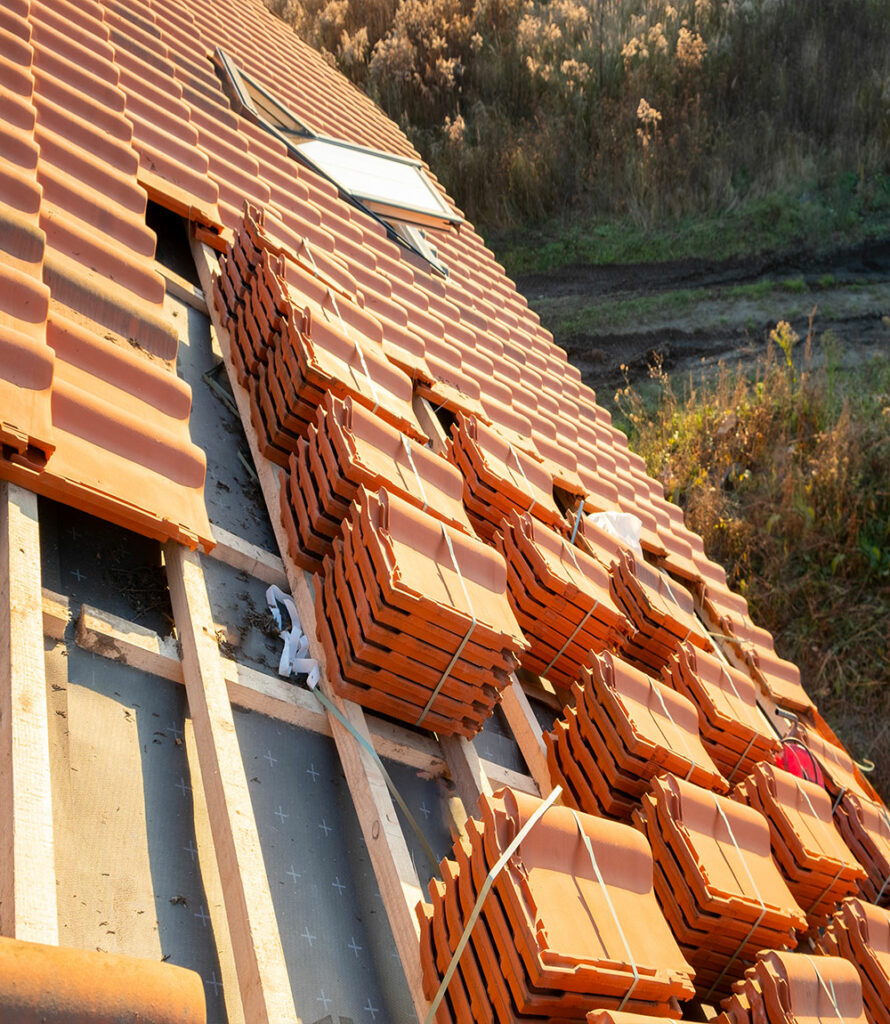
x: 390, y: 785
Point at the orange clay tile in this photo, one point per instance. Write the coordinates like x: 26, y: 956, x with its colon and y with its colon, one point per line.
x: 860, y: 933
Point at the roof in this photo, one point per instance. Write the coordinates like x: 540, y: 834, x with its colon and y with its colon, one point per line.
x: 441, y: 571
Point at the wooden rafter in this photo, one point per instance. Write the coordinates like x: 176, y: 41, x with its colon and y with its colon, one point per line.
x: 28, y: 908
x: 256, y: 944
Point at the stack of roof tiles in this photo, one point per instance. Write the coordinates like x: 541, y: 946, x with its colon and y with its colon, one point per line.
x: 716, y: 881
x: 860, y: 932
x: 299, y: 334
x: 564, y: 929
x: 350, y: 446
x: 662, y: 613
x: 733, y: 730
x: 795, y: 988
x: 818, y: 866
x: 865, y: 826
x: 624, y: 729
x: 560, y: 596
x: 414, y: 618
x: 500, y: 476
x: 863, y: 821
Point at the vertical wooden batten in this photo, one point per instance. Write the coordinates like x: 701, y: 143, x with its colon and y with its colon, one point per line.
x: 28, y: 908
x: 256, y: 944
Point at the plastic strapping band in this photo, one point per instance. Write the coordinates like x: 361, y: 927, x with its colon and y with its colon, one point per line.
x: 577, y: 522
x: 679, y: 731
x: 827, y: 888
x: 390, y: 785
x: 358, y: 349
x: 531, y: 495
x: 572, y: 636
x: 406, y: 444
x: 599, y: 877
x: 480, y: 899
x: 756, y: 924
x: 744, y: 754
x: 829, y: 989
x: 750, y: 711
x: 463, y: 643
x: 308, y: 249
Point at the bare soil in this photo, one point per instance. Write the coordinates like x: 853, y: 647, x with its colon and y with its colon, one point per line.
x: 730, y: 320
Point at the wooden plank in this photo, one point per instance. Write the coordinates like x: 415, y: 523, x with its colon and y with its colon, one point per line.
x: 131, y: 644
x: 528, y: 734
x: 182, y: 289
x: 256, y: 945
x: 56, y: 614
x: 499, y: 776
x: 28, y: 907
x: 396, y: 876
x: 466, y: 770
x: 249, y: 558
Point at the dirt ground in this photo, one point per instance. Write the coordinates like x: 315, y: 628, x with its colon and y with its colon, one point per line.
x: 710, y: 312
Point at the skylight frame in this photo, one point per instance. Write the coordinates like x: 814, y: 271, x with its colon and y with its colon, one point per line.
x: 392, y: 216
x: 436, y: 214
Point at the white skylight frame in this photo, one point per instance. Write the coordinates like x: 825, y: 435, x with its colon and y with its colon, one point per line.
x: 391, y: 186
x: 375, y: 181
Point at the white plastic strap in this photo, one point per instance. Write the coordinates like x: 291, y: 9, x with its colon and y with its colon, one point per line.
x: 756, y: 924
x: 512, y: 451
x: 406, y: 444
x: 294, y: 656
x: 463, y: 642
x: 829, y: 989
x: 480, y: 899
x: 749, y: 710
x: 358, y: 349
x: 572, y: 636
x: 685, y: 743
x: 305, y: 245
x: 599, y: 877
x: 738, y: 763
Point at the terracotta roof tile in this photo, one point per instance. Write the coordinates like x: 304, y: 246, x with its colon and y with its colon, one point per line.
x: 26, y: 361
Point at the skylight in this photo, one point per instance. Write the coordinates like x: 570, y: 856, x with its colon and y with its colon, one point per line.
x: 390, y: 185
x: 394, y: 189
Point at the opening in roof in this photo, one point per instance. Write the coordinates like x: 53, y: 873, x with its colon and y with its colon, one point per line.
x: 395, y: 190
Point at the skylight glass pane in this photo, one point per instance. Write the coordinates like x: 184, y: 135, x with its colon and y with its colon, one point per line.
x: 377, y: 178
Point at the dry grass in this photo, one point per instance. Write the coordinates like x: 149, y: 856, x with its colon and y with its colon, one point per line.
x: 785, y: 473
x: 526, y: 108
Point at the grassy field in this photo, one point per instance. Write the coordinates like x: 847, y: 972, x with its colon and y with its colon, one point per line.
x: 785, y: 473
x: 675, y: 127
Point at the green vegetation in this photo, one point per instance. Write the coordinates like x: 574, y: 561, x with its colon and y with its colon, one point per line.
x: 678, y: 127
x: 784, y: 472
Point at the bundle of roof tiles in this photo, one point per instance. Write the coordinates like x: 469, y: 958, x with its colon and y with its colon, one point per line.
x: 624, y: 729
x: 860, y: 932
x: 560, y: 596
x: 297, y: 335
x: 662, y: 613
x: 815, y: 861
x: 569, y: 924
x: 733, y: 730
x: 414, y: 618
x: 865, y: 827
x: 795, y: 988
x: 500, y: 476
x: 350, y: 446
x: 716, y: 881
